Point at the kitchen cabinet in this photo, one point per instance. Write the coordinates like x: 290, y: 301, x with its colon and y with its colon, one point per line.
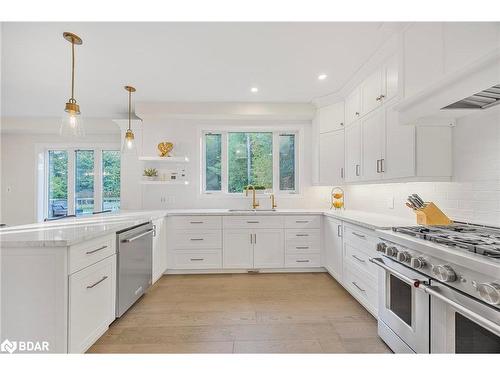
x: 238, y: 248
x: 331, y: 158
x: 373, y: 144
x: 353, y: 152
x: 268, y: 248
x: 159, y: 248
x: 92, y: 295
x: 333, y: 247
x: 353, y: 106
x: 331, y: 117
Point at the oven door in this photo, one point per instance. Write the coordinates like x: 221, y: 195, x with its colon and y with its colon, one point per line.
x: 403, y: 309
x: 461, y: 324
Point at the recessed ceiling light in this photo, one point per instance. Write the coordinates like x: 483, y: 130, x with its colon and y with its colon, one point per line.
x: 322, y: 77
x: 254, y: 89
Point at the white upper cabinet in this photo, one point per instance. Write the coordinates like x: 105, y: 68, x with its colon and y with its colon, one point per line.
x: 371, y: 91
x: 390, y: 78
x: 423, y: 56
x: 331, y: 158
x: 373, y: 144
x: 331, y: 117
x: 353, y: 152
x: 465, y: 42
x: 353, y: 106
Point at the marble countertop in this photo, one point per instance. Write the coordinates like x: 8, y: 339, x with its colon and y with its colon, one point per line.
x: 67, y: 232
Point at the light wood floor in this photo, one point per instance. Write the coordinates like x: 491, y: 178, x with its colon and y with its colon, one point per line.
x: 241, y: 313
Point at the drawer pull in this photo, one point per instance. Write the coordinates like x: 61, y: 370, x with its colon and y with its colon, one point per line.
x: 357, y: 286
x: 196, y: 222
x: 196, y: 259
x: 302, y: 221
x: 252, y: 222
x: 97, y: 282
x: 196, y: 239
x: 302, y: 235
x: 359, y: 235
x: 359, y: 259
x: 96, y: 250
x: 302, y: 247
x: 302, y: 260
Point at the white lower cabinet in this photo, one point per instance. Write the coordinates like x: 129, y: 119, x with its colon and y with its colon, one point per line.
x: 269, y: 248
x: 333, y: 247
x: 159, y: 248
x: 92, y: 295
x: 238, y: 248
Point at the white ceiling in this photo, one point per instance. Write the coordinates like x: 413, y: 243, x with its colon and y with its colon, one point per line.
x: 179, y: 62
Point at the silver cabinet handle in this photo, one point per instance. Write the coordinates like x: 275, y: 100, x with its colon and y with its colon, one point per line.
x: 357, y: 169
x: 196, y: 222
x: 339, y: 230
x: 252, y: 222
x: 154, y: 230
x: 357, y: 113
x: 382, y: 96
x: 251, y: 238
x: 196, y: 239
x: 196, y: 259
x: 96, y: 250
x: 378, y: 165
x: 358, y: 259
x: 97, y: 282
x: 357, y: 286
x: 359, y: 235
x: 301, y: 221
x: 342, y: 172
x: 138, y: 236
x: 378, y: 98
x: 302, y: 247
x: 302, y: 235
x: 382, y: 167
x: 341, y: 124
x: 302, y: 261
x: 255, y: 238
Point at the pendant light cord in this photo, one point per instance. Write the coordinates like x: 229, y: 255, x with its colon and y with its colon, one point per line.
x: 129, y: 107
x: 72, y: 70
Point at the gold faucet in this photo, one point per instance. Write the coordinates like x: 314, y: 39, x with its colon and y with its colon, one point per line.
x: 255, y: 203
x: 273, y: 202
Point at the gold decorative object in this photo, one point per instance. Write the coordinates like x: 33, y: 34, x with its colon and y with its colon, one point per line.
x: 337, y: 197
x: 165, y: 148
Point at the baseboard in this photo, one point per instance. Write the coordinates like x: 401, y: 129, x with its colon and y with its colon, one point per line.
x: 267, y: 270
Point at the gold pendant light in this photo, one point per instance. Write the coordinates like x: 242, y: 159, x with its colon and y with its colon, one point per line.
x: 72, y: 124
x: 129, y: 142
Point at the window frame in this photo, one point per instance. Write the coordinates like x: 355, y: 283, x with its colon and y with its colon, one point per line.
x: 276, y: 132
x: 43, y: 175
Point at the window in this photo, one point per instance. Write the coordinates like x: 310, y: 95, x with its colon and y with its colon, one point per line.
x: 81, y: 181
x: 233, y: 160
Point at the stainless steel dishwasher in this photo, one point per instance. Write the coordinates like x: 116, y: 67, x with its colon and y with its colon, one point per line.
x: 134, y: 265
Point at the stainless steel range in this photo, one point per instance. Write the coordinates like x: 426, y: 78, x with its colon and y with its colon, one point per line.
x: 439, y: 288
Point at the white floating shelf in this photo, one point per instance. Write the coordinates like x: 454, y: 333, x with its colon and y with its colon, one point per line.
x: 166, y: 182
x: 167, y: 159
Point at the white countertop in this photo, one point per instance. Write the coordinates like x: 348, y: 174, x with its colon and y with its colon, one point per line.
x: 70, y: 231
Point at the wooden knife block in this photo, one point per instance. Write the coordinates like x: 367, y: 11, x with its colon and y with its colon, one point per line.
x: 430, y: 214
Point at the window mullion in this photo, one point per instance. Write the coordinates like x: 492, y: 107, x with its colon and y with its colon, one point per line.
x: 276, y: 162
x: 224, y: 163
x: 97, y: 179
x: 71, y: 181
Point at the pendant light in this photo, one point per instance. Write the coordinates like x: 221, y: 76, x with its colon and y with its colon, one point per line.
x: 72, y: 124
x: 129, y: 141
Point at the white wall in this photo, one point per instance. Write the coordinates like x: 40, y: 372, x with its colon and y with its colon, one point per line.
x: 473, y: 195
x: 19, y: 172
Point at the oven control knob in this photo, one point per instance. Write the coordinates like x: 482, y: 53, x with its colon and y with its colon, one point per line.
x: 444, y: 273
x: 404, y: 256
x: 391, y: 251
x: 490, y: 293
x: 417, y: 263
x: 381, y: 247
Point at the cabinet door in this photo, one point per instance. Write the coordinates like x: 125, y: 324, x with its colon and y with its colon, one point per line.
x: 331, y: 117
x: 372, y: 129
x: 331, y: 158
x: 238, y: 249
x: 353, y: 107
x: 92, y: 294
x: 371, y: 91
x: 159, y: 249
x: 390, y: 78
x: 333, y: 247
x: 269, y: 248
x: 399, y: 156
x: 353, y: 152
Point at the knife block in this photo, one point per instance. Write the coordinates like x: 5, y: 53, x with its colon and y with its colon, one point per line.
x: 430, y: 214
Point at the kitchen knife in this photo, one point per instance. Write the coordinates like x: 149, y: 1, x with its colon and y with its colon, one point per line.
x: 418, y: 199
x: 413, y: 202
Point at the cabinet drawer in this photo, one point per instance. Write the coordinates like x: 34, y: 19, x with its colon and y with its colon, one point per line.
x: 303, y: 222
x: 300, y: 260
x: 365, y: 237
x: 296, y: 239
x: 92, y: 293
x: 195, y: 239
x: 194, y: 260
x: 89, y: 252
x: 252, y: 221
x: 361, y: 287
x: 196, y: 222
x: 361, y: 259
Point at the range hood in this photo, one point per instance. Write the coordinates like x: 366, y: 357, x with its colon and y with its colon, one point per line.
x: 481, y: 100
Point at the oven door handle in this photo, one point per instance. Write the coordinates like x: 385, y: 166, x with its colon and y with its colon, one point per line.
x: 486, y: 323
x: 380, y: 262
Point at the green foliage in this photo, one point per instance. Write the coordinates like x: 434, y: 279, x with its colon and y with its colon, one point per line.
x: 213, y: 145
x: 287, y: 162
x: 58, y: 174
x: 150, y: 172
x: 111, y: 174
